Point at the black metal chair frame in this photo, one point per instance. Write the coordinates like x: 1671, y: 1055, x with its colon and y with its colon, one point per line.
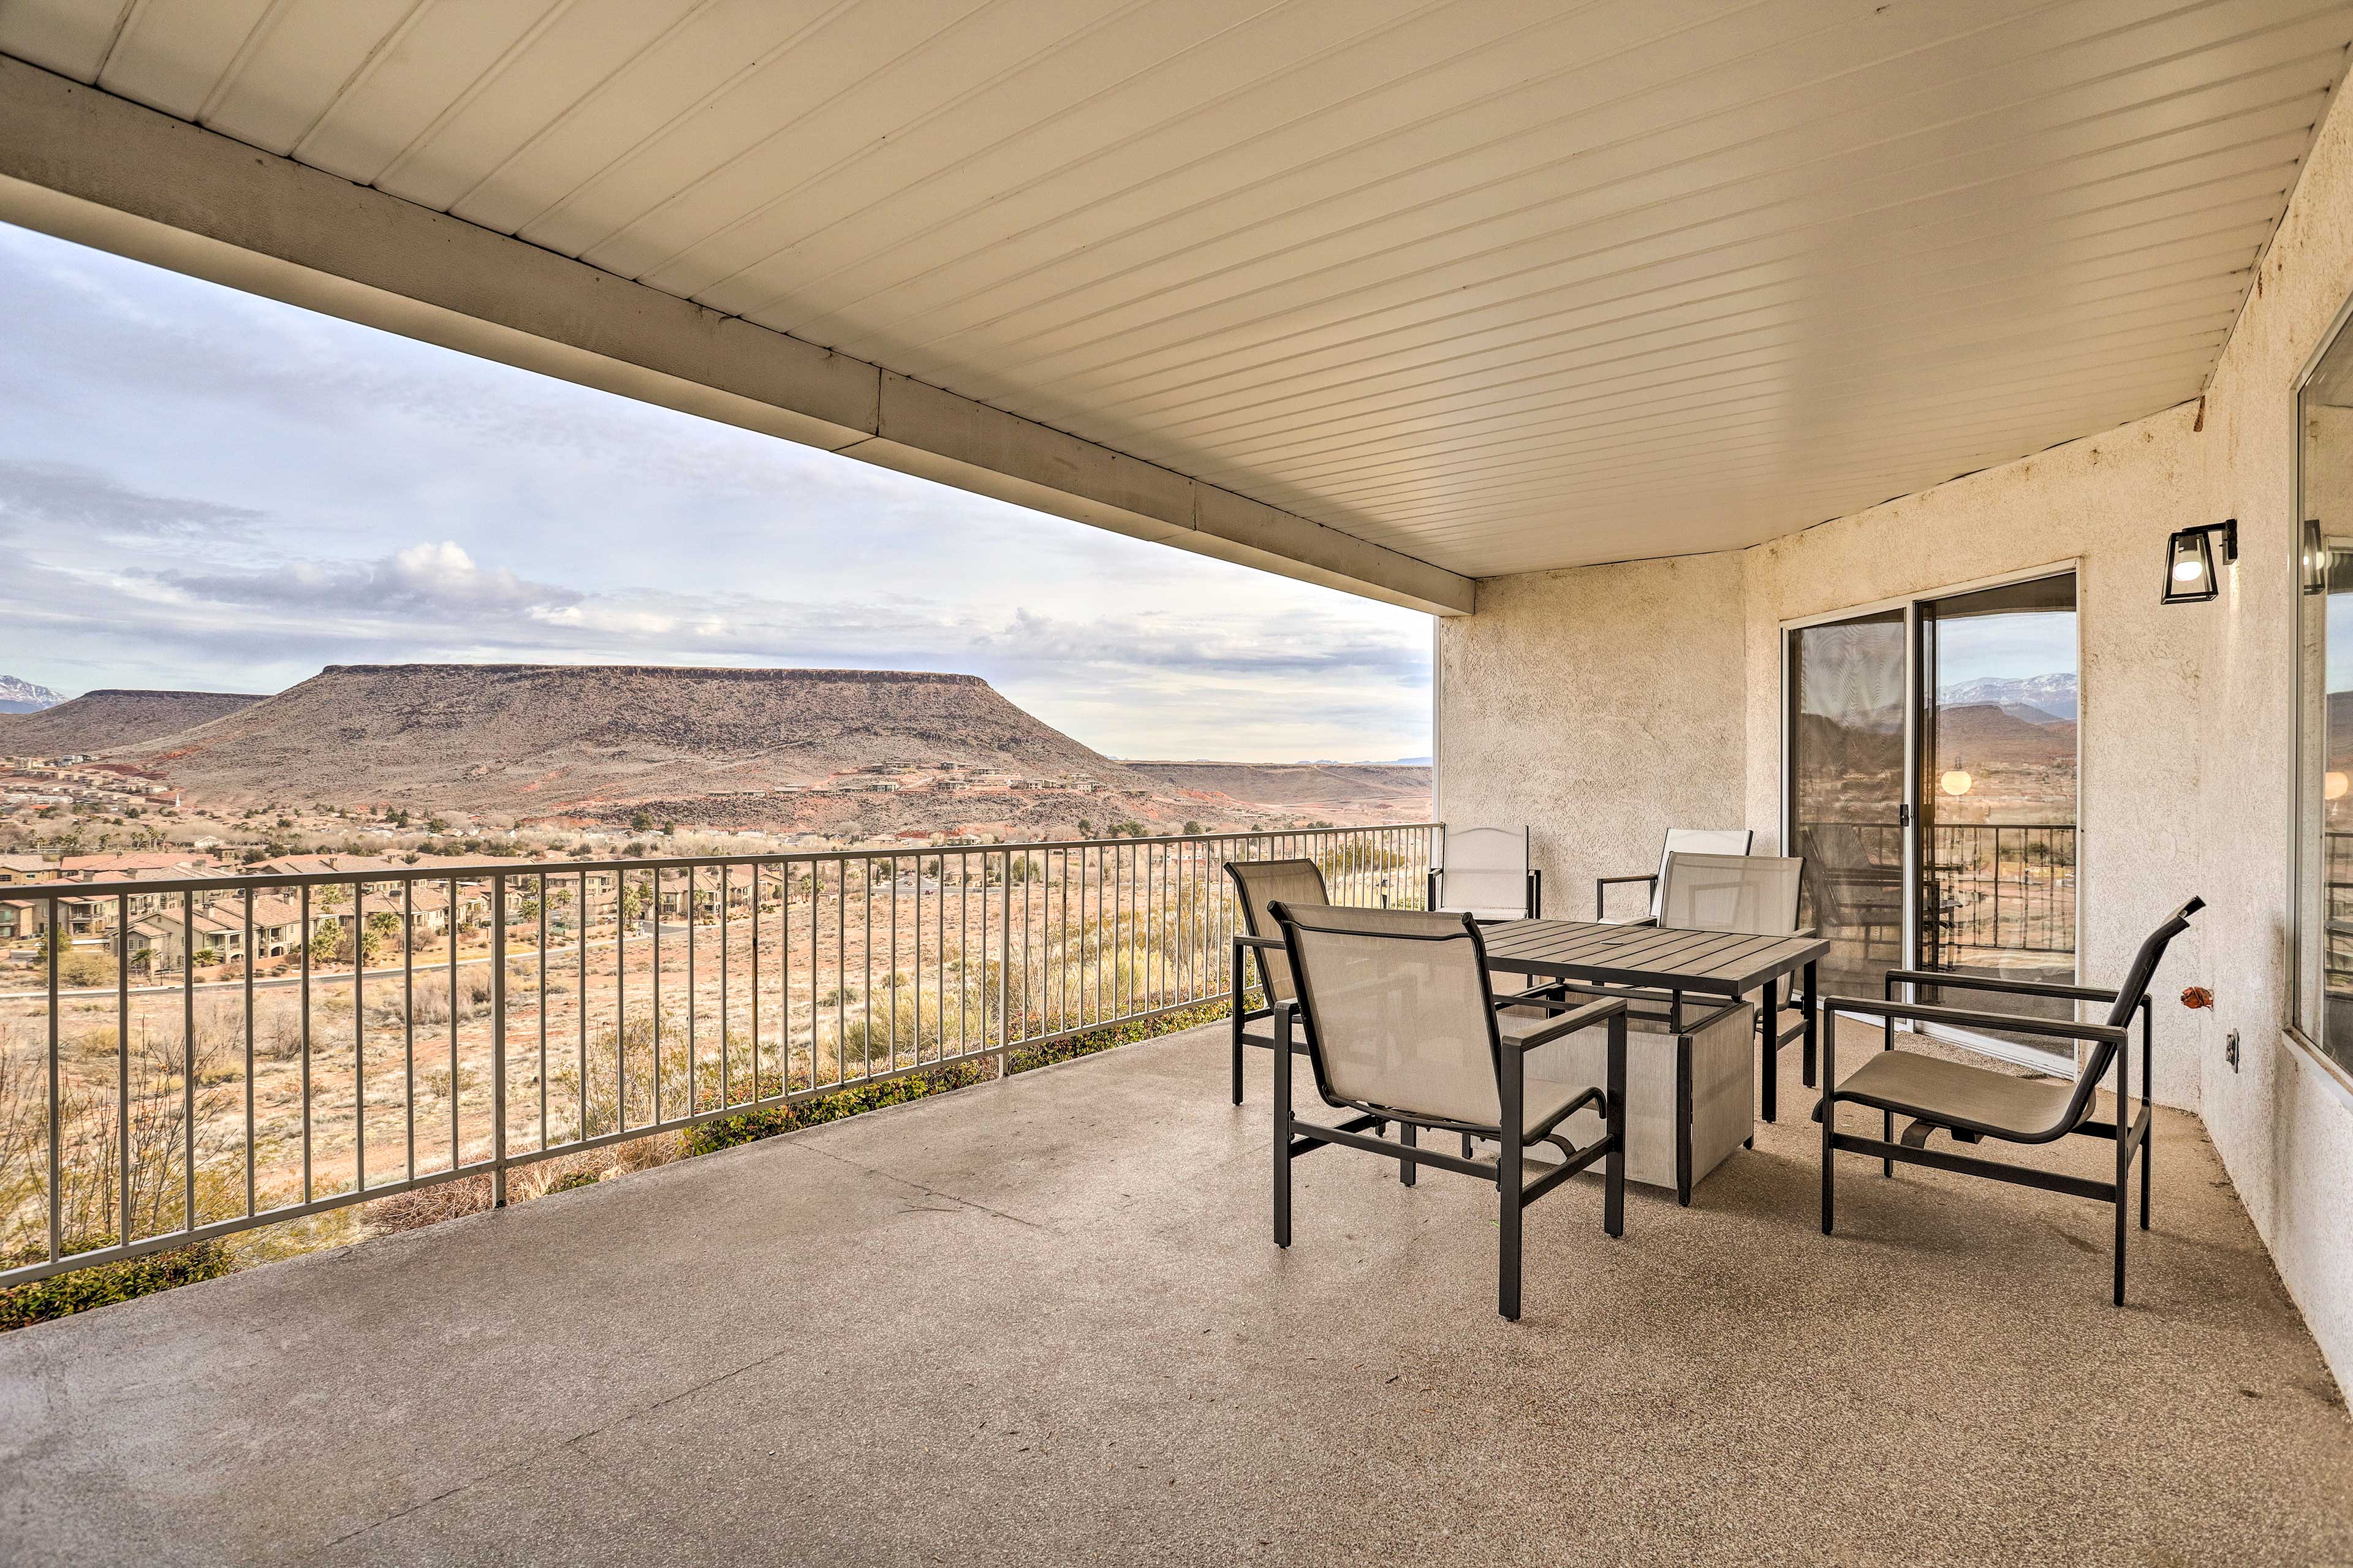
x: 1244, y: 947
x: 2130, y: 1133
x: 1508, y: 1171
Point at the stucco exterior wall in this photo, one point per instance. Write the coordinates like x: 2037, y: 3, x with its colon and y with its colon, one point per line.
x: 2282, y: 1123
x: 2188, y: 733
x: 2105, y: 505
x: 1598, y: 707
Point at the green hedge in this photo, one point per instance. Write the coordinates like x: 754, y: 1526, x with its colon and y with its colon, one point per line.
x: 103, y: 1284
x: 1028, y: 1058
x: 751, y: 1126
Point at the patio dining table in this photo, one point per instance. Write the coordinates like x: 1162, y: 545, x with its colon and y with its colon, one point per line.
x: 1703, y: 970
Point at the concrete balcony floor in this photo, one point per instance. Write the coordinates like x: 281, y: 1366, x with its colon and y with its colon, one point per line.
x: 1042, y: 1322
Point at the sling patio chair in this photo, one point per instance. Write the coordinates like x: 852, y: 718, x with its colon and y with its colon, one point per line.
x: 1402, y: 1025
x: 1679, y: 841
x: 1974, y: 1103
x: 1488, y: 872
x: 1259, y: 946
x: 1691, y: 1097
x: 1753, y: 893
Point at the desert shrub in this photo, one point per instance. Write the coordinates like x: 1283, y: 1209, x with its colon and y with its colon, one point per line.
x: 79, y: 970
x: 744, y: 1127
x: 1027, y: 1058
x: 280, y: 1035
x: 421, y: 1207
x: 767, y: 1122
x: 95, y: 1149
x: 103, y: 1284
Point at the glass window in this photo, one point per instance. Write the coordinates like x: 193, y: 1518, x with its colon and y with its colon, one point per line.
x: 2323, y: 1007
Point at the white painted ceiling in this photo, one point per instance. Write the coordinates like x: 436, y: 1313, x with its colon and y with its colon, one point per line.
x: 1500, y: 285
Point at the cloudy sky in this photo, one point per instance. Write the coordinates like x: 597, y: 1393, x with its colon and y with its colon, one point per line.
x: 200, y: 489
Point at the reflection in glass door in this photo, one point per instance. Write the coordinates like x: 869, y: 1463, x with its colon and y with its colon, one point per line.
x: 1932, y: 792
x: 1847, y: 792
x: 1997, y: 790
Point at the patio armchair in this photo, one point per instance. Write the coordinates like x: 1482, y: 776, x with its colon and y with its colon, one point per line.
x: 1753, y: 893
x: 1690, y: 1101
x: 1679, y: 841
x: 1974, y: 1103
x: 1401, y: 1025
x: 1489, y: 872
x: 1259, y: 947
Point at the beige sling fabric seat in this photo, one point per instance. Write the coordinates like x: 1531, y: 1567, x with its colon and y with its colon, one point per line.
x: 1401, y: 1026
x: 1753, y: 893
x: 1691, y: 1076
x: 1258, y: 884
x: 1956, y: 1094
x: 1974, y: 1103
x: 1488, y: 872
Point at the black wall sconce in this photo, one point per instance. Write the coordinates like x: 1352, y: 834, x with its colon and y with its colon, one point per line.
x: 2189, y: 575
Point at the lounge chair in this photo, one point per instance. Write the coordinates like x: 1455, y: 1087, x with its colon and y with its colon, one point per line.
x: 1973, y: 1103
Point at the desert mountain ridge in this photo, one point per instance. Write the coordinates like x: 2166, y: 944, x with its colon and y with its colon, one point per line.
x: 20, y: 696
x: 553, y: 740
x: 1304, y: 786
x: 106, y: 720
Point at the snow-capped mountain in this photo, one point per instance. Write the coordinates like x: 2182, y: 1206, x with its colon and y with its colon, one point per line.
x: 23, y: 697
x: 2037, y: 699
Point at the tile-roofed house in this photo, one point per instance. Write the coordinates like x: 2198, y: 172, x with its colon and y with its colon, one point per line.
x: 145, y: 903
x: 320, y: 865
x: 144, y: 860
x: 220, y: 922
x: 15, y: 869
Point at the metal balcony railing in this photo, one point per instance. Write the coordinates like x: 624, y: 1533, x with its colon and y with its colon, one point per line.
x: 1986, y: 887
x: 437, y: 1022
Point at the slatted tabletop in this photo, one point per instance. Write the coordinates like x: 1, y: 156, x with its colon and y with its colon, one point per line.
x: 1711, y: 963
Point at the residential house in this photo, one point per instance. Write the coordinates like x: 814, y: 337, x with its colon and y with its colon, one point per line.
x: 75, y: 866
x: 218, y: 923
x: 15, y: 869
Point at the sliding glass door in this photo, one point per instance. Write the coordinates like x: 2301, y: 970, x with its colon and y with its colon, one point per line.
x: 1932, y: 790
x: 1846, y: 682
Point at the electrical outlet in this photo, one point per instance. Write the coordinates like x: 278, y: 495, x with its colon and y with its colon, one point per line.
x: 2230, y: 1049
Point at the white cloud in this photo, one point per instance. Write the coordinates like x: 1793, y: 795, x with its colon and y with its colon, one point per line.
x: 434, y: 578
x: 205, y: 489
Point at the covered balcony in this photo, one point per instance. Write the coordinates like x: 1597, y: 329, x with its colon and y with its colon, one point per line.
x: 1604, y: 336
x: 1040, y: 1319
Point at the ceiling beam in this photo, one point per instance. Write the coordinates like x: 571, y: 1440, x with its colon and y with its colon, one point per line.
x: 98, y: 170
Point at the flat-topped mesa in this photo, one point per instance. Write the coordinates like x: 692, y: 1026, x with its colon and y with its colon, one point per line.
x: 532, y: 739
x: 106, y: 720
x: 678, y: 672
